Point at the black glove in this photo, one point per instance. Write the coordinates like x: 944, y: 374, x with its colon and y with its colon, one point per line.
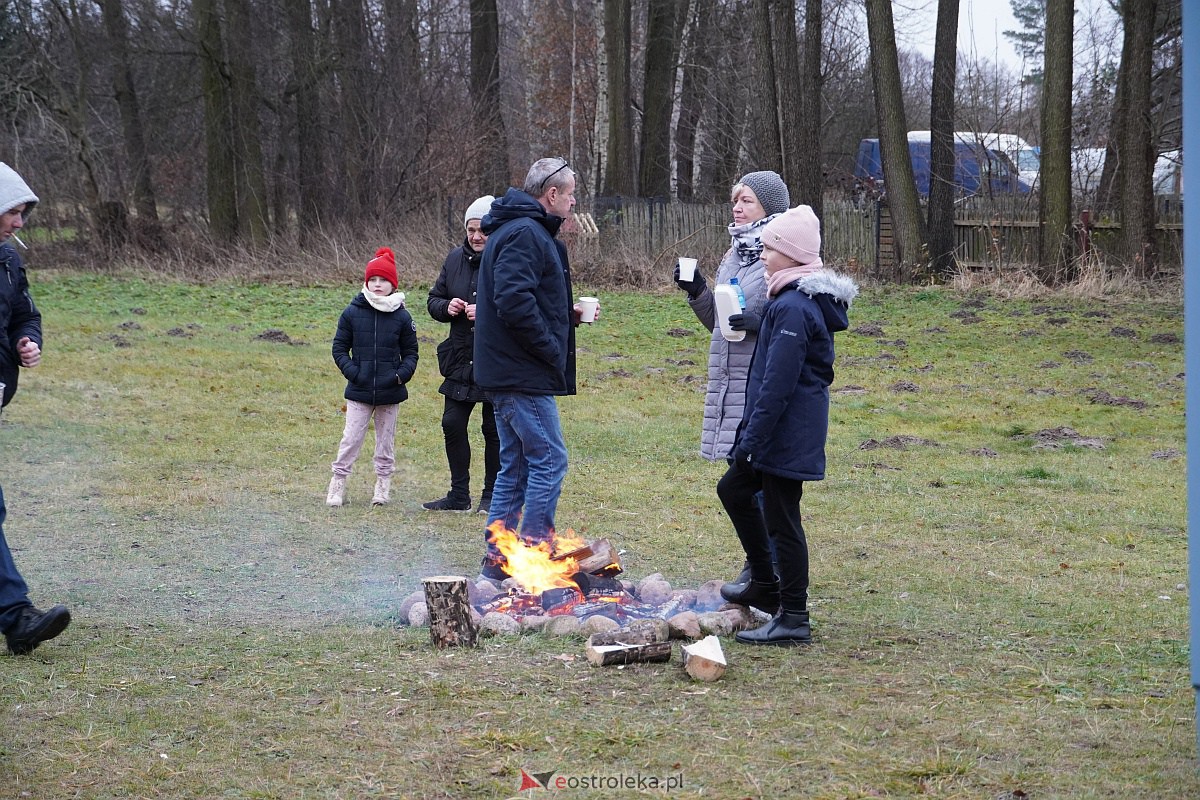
x: 693, y: 287
x: 738, y: 458
x: 745, y: 321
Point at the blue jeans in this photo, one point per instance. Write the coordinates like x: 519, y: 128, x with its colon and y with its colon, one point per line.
x: 533, y: 464
x: 13, y: 591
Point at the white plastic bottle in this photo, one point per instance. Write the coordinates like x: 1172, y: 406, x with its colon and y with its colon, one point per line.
x: 726, y: 298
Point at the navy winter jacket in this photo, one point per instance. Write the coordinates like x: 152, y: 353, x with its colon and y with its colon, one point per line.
x: 787, y: 395
x: 19, y: 317
x: 376, y: 352
x: 524, y: 312
x: 456, y: 354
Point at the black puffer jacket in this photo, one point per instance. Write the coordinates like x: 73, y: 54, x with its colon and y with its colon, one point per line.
x: 524, y: 316
x: 376, y: 352
x: 19, y: 317
x: 456, y: 354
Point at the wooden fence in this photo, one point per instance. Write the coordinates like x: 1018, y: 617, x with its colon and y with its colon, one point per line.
x: 995, y: 233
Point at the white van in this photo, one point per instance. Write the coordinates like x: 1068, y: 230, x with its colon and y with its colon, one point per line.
x: 1024, y: 156
x: 1087, y: 163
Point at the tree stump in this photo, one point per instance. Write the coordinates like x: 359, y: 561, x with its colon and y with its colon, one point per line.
x: 450, y: 623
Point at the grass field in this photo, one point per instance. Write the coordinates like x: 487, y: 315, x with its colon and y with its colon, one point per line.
x: 999, y: 563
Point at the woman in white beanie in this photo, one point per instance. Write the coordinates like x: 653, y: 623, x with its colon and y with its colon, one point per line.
x: 452, y: 299
x: 24, y: 626
x: 781, y: 440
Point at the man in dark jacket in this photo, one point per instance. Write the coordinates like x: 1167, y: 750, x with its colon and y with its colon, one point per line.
x: 24, y: 626
x: 525, y: 322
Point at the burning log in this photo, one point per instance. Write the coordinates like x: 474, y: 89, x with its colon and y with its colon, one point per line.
x: 627, y: 647
x: 602, y: 561
x: 553, y: 598
x: 704, y: 660
x: 450, y: 622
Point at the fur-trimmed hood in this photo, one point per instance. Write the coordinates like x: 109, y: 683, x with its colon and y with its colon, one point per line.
x: 833, y: 292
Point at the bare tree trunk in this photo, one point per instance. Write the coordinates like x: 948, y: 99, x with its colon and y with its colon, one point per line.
x: 311, y: 169
x: 1139, y: 145
x: 764, y: 141
x: 144, y: 202
x: 355, y: 98
x: 1056, y: 250
x: 907, y: 224
x: 600, y: 125
x: 622, y: 160
x: 662, y: 49
x: 221, y: 178
x: 941, y: 146
x: 809, y: 173
x: 494, y: 173
x: 696, y: 62
x: 788, y: 96
x: 252, y: 199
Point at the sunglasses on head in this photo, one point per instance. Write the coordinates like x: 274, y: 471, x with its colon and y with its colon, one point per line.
x: 542, y: 185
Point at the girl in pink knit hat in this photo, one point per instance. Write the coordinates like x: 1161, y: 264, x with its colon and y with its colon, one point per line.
x: 780, y: 442
x: 375, y: 348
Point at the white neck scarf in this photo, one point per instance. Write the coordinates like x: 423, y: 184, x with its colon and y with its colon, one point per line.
x: 386, y: 303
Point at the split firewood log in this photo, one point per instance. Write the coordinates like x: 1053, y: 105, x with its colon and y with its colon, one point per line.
x: 602, y: 655
x: 627, y: 647
x: 450, y: 620
x: 704, y: 660
x: 603, y: 560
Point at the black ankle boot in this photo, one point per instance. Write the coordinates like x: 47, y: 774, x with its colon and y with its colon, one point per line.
x: 763, y: 596
x: 786, y: 629
x: 744, y: 576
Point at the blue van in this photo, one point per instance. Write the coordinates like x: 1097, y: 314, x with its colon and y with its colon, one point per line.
x: 976, y: 169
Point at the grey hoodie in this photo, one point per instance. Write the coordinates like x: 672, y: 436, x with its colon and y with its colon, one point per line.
x: 14, y: 191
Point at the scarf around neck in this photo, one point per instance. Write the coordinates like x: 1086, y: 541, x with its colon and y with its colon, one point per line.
x: 386, y: 303
x: 788, y: 275
x: 747, y: 239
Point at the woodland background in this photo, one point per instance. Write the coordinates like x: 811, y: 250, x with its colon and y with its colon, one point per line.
x: 191, y: 129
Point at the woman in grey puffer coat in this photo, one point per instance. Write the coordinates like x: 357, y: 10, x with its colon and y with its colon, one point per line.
x: 757, y: 198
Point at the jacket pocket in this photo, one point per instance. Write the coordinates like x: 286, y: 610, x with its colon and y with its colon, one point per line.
x: 445, y: 358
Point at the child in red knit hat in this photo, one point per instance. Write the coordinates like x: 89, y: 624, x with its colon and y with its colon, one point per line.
x: 375, y: 348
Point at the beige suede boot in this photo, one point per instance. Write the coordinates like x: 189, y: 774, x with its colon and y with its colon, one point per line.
x: 383, y: 491
x: 336, y: 495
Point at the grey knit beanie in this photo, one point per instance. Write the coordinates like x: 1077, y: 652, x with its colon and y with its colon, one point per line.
x: 770, y: 190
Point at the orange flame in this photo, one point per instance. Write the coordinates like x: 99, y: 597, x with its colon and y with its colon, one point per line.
x: 533, y: 566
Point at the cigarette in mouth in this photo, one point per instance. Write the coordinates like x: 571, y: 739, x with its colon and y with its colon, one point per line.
x: 17, y: 239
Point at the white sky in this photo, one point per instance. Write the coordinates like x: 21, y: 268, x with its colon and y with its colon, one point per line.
x: 981, y: 27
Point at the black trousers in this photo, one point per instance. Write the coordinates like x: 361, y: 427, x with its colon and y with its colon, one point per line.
x: 455, y: 416
x: 776, y: 523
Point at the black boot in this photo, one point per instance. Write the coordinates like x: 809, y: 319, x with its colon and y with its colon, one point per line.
x: 761, y: 595
x: 786, y: 629
x: 449, y: 503
x: 485, y: 501
x: 34, y: 627
x: 744, y: 576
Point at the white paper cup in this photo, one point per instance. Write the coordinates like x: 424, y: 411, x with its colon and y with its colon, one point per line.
x: 687, y: 269
x: 587, y: 308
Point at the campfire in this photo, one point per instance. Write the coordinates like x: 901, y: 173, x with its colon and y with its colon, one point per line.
x: 569, y: 580
x: 570, y: 587
x: 565, y: 575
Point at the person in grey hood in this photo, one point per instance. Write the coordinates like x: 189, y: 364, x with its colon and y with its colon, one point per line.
x: 780, y: 442
x: 24, y: 626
